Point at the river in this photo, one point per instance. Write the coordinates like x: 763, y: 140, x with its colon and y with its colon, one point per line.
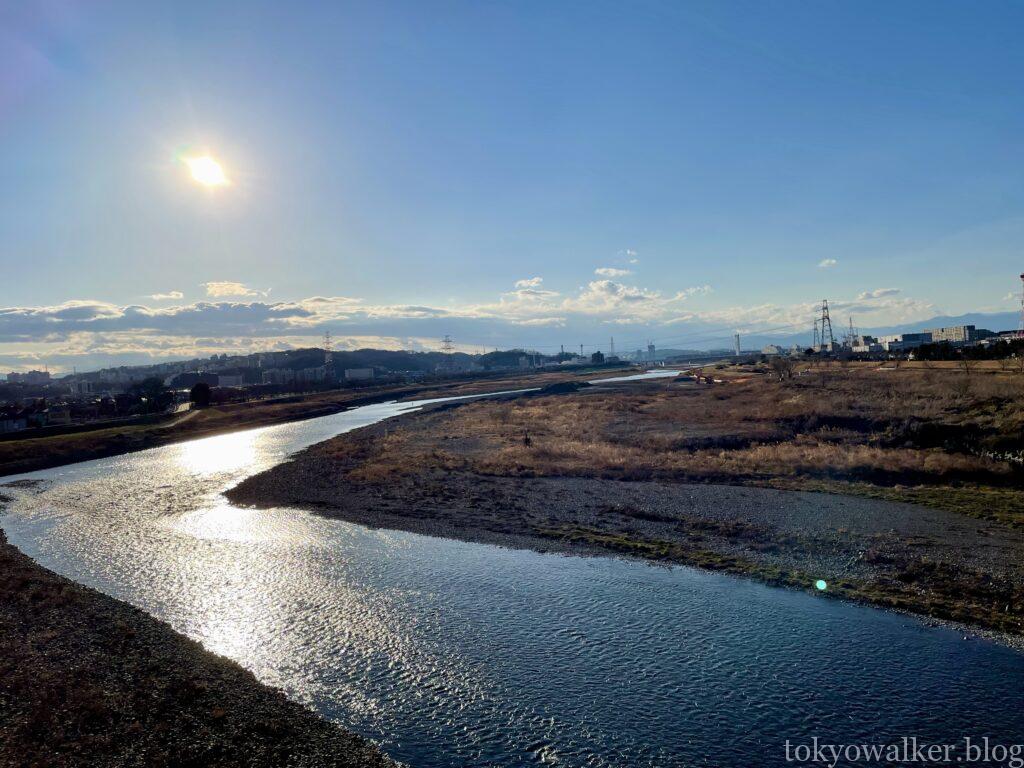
x: 456, y: 654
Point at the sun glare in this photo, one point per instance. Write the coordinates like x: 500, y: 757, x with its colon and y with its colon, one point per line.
x: 206, y: 171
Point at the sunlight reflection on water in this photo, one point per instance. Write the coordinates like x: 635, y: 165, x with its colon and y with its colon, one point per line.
x: 460, y: 654
x: 222, y: 453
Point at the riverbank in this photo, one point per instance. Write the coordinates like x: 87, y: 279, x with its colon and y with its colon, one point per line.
x: 86, y: 680
x: 29, y: 454
x: 680, y: 473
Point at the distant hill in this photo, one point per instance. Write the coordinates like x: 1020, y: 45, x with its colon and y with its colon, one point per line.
x: 387, y: 359
x: 995, y: 321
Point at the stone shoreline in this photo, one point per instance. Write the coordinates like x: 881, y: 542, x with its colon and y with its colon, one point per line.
x: 930, y: 562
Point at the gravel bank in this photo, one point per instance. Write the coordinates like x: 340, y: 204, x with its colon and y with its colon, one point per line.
x: 927, y: 561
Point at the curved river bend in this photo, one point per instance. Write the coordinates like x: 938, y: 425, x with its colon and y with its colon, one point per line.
x: 448, y: 653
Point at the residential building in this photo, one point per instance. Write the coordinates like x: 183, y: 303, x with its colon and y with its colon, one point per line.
x: 32, y: 377
x: 358, y: 374
x: 279, y: 376
x: 311, y: 375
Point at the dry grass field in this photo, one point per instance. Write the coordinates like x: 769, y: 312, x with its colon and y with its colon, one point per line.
x: 940, y: 437
x: 694, y: 473
x: 30, y: 453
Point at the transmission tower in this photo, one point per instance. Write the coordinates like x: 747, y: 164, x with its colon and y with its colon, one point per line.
x: 328, y: 350
x: 446, y: 349
x: 851, y: 336
x: 611, y: 352
x: 817, y: 337
x: 1020, y: 329
x: 826, y: 326
x: 736, y: 340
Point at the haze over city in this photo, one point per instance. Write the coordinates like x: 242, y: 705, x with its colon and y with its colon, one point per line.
x: 185, y: 179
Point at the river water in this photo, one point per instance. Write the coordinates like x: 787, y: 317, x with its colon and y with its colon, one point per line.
x: 455, y: 654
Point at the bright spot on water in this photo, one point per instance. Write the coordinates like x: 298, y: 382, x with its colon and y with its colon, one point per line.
x: 223, y: 453
x: 821, y: 584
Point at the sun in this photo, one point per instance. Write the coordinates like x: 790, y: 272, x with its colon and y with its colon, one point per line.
x: 206, y: 171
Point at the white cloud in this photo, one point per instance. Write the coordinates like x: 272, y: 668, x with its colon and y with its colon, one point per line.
x: 541, y: 321
x: 878, y: 293
x: 1011, y: 296
x: 175, y: 295
x: 530, y: 282
x: 98, y: 330
x: 611, y: 272
x: 220, y: 289
x: 695, y: 290
x: 827, y: 263
x: 608, y: 296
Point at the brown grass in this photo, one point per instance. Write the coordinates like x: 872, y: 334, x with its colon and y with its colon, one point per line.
x: 28, y: 454
x: 871, y: 431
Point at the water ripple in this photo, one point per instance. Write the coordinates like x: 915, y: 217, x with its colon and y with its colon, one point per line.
x: 450, y: 653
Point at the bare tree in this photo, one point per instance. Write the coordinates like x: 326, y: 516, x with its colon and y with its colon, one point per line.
x: 782, y: 367
x: 962, y: 386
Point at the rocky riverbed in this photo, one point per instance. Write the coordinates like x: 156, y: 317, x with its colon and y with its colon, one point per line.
x: 927, y: 561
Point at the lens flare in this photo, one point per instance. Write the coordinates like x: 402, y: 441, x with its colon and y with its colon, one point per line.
x: 206, y: 171
x: 821, y: 584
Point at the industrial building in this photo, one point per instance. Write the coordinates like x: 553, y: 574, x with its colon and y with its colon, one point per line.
x: 958, y: 334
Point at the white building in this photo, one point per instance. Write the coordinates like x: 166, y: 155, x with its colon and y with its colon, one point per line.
x: 279, y: 376
x: 902, y: 341
x: 311, y: 375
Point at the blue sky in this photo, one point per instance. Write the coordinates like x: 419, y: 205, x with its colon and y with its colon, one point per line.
x: 400, y: 171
